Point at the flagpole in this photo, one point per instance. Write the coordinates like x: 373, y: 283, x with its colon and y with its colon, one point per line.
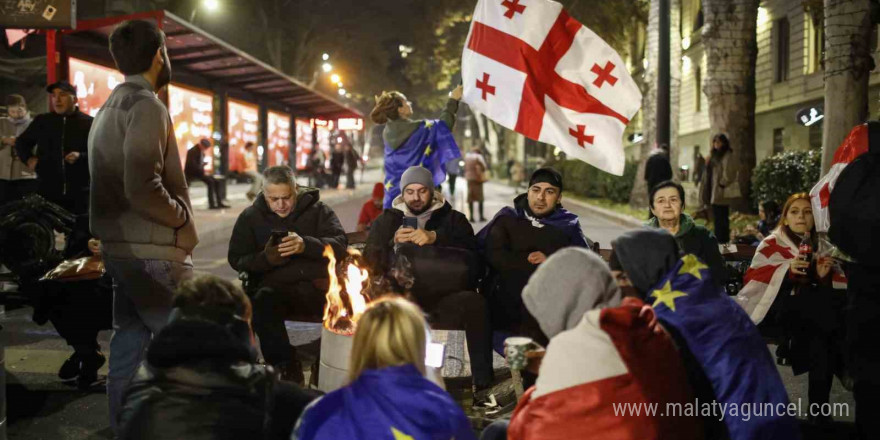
x: 663, y: 107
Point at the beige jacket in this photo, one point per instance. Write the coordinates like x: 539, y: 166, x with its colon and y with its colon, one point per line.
x: 140, y: 206
x: 11, y: 168
x: 725, y: 181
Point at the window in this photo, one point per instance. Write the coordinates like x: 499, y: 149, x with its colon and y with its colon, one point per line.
x: 698, y: 89
x: 816, y: 135
x: 815, y: 44
x: 778, y: 136
x: 782, y: 36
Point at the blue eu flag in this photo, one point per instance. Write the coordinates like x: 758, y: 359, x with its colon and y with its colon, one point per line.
x: 431, y: 146
x: 727, y: 346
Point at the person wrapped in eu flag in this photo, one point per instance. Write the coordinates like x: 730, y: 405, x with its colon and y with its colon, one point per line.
x: 740, y: 393
x: 427, y: 142
x: 388, y: 396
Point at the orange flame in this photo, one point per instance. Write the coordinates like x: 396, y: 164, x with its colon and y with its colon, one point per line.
x: 340, y: 317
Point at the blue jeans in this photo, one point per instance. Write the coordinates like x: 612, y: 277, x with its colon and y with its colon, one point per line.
x: 497, y: 430
x: 142, y: 293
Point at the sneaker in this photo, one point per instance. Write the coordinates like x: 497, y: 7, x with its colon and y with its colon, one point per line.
x: 89, y: 366
x: 292, y: 372
x: 70, y: 368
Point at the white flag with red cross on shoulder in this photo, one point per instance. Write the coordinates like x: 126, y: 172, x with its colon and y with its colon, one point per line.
x: 530, y: 67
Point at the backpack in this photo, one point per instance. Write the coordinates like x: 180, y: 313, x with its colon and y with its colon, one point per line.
x: 854, y: 205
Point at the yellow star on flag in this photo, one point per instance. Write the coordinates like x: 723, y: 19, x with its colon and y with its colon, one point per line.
x: 400, y: 436
x: 692, y: 266
x: 428, y: 151
x: 666, y: 296
x: 388, y: 186
x: 429, y: 124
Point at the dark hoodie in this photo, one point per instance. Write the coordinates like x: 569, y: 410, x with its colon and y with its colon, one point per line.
x: 646, y: 256
x: 314, y: 221
x: 201, y: 382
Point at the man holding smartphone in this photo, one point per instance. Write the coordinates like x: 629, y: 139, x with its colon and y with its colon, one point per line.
x: 420, y: 216
x: 278, y: 243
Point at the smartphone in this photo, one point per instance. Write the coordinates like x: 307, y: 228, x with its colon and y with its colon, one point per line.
x: 277, y: 236
x: 434, y: 354
x: 411, y: 222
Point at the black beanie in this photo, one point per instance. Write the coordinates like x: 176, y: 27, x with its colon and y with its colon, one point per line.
x: 547, y: 175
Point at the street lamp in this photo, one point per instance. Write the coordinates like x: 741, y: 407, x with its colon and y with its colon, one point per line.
x: 325, y: 57
x: 211, y: 5
x: 341, y: 92
x: 335, y: 79
x: 327, y: 67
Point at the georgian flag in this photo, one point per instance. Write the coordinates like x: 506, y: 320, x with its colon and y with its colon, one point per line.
x: 855, y: 144
x: 530, y: 67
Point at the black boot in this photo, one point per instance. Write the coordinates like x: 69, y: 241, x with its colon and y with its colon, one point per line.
x: 70, y: 368
x: 89, y: 366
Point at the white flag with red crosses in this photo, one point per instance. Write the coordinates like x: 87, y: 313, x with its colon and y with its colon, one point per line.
x: 530, y: 67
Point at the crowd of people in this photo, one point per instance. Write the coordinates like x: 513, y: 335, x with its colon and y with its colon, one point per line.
x: 649, y: 324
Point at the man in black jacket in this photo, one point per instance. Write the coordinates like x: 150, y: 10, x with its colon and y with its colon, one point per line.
x: 61, y: 158
x: 195, y: 170
x: 279, y: 242
x: 518, y: 240
x: 657, y: 167
x: 432, y: 223
x: 201, y: 380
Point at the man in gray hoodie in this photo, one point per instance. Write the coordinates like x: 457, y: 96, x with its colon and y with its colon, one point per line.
x: 140, y: 208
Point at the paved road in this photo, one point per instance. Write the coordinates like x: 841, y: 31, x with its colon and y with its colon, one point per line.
x: 41, y: 407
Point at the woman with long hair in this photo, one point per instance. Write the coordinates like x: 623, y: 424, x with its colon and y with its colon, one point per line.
x: 803, y: 297
x: 720, y: 185
x: 388, y: 393
x: 409, y: 142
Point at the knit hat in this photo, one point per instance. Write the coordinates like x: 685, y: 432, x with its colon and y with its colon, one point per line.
x: 416, y: 174
x: 15, y: 101
x: 546, y: 175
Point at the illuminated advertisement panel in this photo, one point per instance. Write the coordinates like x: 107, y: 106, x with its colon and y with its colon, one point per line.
x: 192, y: 113
x: 304, y: 145
x: 278, y: 136
x: 323, y: 131
x: 93, y: 84
x: 243, y: 126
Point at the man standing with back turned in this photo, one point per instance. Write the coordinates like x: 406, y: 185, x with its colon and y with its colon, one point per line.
x: 140, y: 207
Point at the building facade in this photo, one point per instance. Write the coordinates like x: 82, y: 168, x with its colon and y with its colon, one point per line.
x: 788, y: 80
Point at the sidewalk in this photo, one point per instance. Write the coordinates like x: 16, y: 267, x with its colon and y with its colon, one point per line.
x: 215, y: 226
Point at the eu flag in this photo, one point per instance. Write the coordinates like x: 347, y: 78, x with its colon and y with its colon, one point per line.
x: 727, y: 346
x: 431, y: 146
x: 392, y: 403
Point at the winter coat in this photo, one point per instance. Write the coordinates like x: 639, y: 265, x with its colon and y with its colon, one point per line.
x: 509, y: 242
x: 314, y: 221
x: 201, y: 382
x: 657, y: 169
x: 10, y: 167
x: 55, y: 136
x: 139, y: 200
x: 695, y: 239
x: 452, y: 227
x: 397, y: 131
x: 195, y: 163
x: 724, y: 184
x: 475, y: 167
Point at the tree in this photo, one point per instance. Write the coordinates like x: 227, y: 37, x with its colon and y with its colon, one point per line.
x: 730, y: 41
x: 848, y: 65
x: 639, y: 194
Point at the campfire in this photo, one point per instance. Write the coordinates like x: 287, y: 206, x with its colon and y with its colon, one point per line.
x: 343, y: 310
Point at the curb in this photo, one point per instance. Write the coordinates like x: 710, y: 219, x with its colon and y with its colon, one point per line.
x: 221, y: 230
x: 621, y: 219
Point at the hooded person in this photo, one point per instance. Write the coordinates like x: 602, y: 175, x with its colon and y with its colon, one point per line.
x: 422, y: 232
x: 603, y: 353
x: 725, y: 355
x: 518, y: 240
x: 372, y: 209
x: 279, y: 243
